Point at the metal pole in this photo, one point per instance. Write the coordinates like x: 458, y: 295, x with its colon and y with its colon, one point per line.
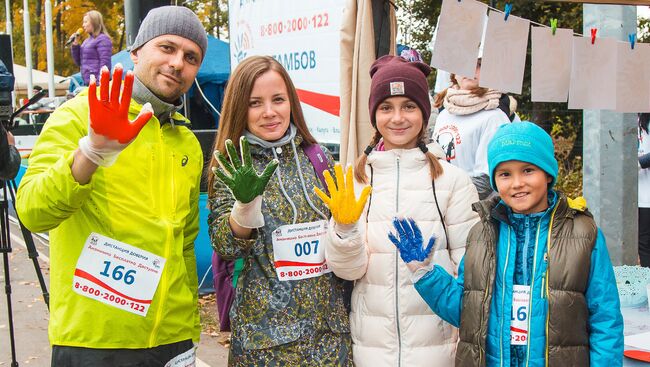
x: 610, y: 150
x: 8, y: 15
x: 50, y: 49
x: 28, y: 47
x: 9, y: 28
x: 131, y: 19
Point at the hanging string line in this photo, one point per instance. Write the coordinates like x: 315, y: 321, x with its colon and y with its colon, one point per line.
x: 540, y: 24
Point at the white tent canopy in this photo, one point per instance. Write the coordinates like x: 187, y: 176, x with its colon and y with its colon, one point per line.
x: 39, y: 78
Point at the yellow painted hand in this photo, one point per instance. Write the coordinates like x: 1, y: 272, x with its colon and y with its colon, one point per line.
x: 343, y: 204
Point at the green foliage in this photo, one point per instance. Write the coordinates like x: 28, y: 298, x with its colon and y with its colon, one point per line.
x: 569, y: 179
x: 214, y: 16
x: 643, y: 33
x: 416, y: 22
x: 67, y: 16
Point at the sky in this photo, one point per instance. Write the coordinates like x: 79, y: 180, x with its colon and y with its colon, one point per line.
x: 643, y: 11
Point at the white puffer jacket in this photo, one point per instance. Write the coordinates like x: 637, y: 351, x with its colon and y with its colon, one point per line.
x: 390, y: 324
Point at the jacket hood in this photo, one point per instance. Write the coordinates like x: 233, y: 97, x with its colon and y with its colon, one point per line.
x: 436, y: 149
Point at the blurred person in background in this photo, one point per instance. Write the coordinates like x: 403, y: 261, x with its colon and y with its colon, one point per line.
x: 96, y: 50
x: 470, y: 117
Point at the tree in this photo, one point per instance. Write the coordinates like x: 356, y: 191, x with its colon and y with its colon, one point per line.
x: 644, y: 30
x: 67, y: 16
x: 214, y: 16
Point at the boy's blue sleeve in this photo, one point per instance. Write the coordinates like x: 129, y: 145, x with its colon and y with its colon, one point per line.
x: 443, y: 293
x: 605, y: 319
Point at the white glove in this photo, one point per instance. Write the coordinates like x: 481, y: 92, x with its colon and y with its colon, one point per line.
x: 102, y: 150
x: 248, y: 215
x: 345, y: 231
x: 99, y: 149
x: 419, y: 269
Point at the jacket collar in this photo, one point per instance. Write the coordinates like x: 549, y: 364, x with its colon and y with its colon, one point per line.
x: 410, y: 158
x: 487, y: 210
x: 564, y: 210
x: 165, y: 112
x: 258, y: 149
x: 289, y: 135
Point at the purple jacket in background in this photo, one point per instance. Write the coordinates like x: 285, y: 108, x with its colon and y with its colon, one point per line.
x: 93, y: 53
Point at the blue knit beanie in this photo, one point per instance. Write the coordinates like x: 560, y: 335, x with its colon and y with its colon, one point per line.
x: 522, y: 141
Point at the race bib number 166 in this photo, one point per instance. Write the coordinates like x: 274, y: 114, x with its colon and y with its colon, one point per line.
x: 117, y: 274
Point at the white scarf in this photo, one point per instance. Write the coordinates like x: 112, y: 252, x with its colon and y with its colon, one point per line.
x: 463, y: 102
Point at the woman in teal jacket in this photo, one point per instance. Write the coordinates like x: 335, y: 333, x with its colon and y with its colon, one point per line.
x: 536, y: 286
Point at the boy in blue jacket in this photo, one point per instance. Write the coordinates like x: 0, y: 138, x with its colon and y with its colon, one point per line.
x: 536, y: 286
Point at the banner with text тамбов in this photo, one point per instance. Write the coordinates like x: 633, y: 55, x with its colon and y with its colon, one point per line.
x: 304, y: 36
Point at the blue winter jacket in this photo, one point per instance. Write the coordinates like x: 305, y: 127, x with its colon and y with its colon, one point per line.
x: 444, y: 294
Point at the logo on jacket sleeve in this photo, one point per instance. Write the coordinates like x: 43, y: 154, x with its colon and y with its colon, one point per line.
x: 184, y: 160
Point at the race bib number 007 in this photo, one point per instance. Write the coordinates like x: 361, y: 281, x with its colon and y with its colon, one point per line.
x: 299, y: 250
x: 117, y: 274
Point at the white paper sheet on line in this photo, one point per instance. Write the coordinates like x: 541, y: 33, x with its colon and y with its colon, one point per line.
x: 638, y: 341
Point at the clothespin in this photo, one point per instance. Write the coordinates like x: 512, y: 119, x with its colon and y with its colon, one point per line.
x: 553, y: 25
x: 593, y: 35
x: 632, y: 38
x: 508, y: 10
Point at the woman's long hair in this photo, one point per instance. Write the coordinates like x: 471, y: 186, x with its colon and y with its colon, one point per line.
x: 234, y: 112
x: 435, y: 168
x: 97, y: 22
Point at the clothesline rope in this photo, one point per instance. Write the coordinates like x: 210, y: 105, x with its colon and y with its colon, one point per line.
x: 542, y: 25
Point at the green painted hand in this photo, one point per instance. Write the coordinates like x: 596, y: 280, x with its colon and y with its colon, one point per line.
x: 242, y: 179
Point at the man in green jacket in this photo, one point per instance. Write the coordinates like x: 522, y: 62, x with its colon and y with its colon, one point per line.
x: 115, y: 182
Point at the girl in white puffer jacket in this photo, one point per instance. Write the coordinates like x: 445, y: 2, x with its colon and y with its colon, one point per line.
x: 390, y: 324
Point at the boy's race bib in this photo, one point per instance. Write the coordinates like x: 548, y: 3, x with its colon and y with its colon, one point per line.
x: 519, y: 318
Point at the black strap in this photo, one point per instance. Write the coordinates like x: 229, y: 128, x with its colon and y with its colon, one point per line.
x: 370, y: 197
x: 442, y: 219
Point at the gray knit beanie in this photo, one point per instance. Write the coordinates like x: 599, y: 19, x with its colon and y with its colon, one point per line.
x: 176, y: 20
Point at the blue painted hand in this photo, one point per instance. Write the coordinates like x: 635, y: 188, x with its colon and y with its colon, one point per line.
x: 409, y: 240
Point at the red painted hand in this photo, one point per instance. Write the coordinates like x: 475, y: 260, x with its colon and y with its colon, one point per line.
x: 110, y: 130
x: 109, y: 116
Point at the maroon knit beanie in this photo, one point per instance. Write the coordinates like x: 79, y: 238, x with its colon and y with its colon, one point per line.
x: 394, y: 76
